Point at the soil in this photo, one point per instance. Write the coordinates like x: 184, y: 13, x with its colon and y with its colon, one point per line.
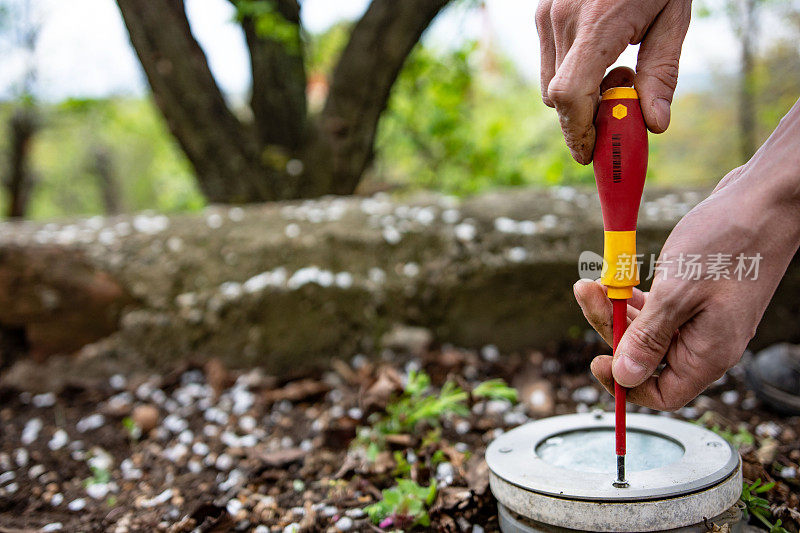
x: 245, y: 451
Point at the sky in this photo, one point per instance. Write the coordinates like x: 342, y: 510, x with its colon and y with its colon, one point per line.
x: 84, y: 49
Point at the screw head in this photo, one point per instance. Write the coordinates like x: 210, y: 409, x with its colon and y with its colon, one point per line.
x: 504, y: 450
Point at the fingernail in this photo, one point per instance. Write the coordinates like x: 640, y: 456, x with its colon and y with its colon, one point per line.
x: 661, y: 109
x: 628, y: 372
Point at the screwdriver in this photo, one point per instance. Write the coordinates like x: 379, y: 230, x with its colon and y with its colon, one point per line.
x: 620, y: 165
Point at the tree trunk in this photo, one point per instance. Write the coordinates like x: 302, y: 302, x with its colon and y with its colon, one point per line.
x: 102, y: 167
x: 223, y: 151
x: 278, y: 98
x: 359, y: 92
x: 281, y: 155
x: 747, y: 97
x: 20, y: 179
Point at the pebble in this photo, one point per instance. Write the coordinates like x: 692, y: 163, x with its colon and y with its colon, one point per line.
x: 57, y: 499
x: 36, y: 471
x: 445, y: 473
x: 261, y: 529
x: 145, y: 417
x: 53, y: 526
x: 789, y: 472
x: 234, y: 506
x: 175, y: 424
x: 729, y: 397
x: 21, y: 457
x: 345, y: 523
x: 118, y: 381
x: 490, y: 353
x: 465, y: 232
x: 47, y: 399
x: 161, y: 499
x: 59, y: 440
x: 328, y: 510
x: 355, y: 513
x: 224, y: 462
x: 31, y: 431
x: 98, y: 491
x: 77, y: 505
x: 5, y: 477
x: 587, y: 394
x: 11, y: 488
x: 294, y: 527
x: 477, y: 529
x: 89, y: 423
x: 768, y: 429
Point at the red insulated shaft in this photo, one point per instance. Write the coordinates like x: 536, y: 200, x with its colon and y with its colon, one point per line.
x: 620, y: 323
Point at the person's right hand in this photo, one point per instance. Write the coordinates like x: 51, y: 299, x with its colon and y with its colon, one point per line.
x: 699, y: 325
x: 580, y: 39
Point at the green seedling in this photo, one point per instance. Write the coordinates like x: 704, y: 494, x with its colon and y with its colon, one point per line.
x: 495, y: 389
x: 99, y: 476
x: 403, y: 506
x: 416, y: 406
x: 134, y: 431
x: 758, y: 506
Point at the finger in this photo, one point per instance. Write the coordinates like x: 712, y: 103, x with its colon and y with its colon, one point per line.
x: 601, y: 368
x: 575, y: 91
x: 547, y: 47
x: 618, y: 77
x: 647, y: 339
x: 596, y: 307
x: 657, y: 64
x: 563, y: 16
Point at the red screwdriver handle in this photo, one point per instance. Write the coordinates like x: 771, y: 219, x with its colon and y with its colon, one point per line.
x: 620, y: 157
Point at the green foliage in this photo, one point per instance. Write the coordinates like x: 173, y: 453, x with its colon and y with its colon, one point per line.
x: 460, y: 129
x: 134, y: 431
x: 405, y: 504
x: 758, y: 506
x: 415, y: 405
x: 150, y: 169
x: 269, y: 23
x: 737, y: 438
x: 99, y: 476
x: 496, y: 389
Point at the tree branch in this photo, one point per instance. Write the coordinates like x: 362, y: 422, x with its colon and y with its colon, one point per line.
x: 278, y: 99
x: 362, y: 82
x: 222, y: 150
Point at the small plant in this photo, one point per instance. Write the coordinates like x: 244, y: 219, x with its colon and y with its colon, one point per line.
x: 415, y: 405
x: 100, y: 476
x: 496, y: 389
x: 134, y: 431
x: 403, y: 506
x: 738, y: 438
x: 758, y: 506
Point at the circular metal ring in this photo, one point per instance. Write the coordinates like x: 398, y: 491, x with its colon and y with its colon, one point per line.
x: 707, y: 460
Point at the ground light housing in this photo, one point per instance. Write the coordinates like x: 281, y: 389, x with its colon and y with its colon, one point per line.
x: 554, y: 473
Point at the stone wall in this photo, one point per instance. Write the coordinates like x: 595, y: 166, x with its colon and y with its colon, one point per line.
x: 286, y: 285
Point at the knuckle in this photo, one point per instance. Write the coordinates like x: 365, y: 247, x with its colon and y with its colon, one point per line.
x: 650, y: 338
x: 665, y: 72
x: 542, y: 16
x: 560, y: 13
x: 673, y: 403
x: 561, y: 92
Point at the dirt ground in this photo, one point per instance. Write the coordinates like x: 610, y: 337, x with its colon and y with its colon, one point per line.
x: 208, y: 449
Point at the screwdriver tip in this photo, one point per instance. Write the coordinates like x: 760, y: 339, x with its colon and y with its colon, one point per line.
x: 620, y: 482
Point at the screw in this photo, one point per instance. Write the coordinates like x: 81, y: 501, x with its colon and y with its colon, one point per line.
x: 505, y: 450
x: 713, y: 444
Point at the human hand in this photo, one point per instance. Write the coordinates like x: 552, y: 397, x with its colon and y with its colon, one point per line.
x: 700, y: 328
x: 579, y: 40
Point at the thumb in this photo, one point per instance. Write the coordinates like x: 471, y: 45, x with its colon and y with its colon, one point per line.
x: 657, y: 64
x: 645, y: 342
